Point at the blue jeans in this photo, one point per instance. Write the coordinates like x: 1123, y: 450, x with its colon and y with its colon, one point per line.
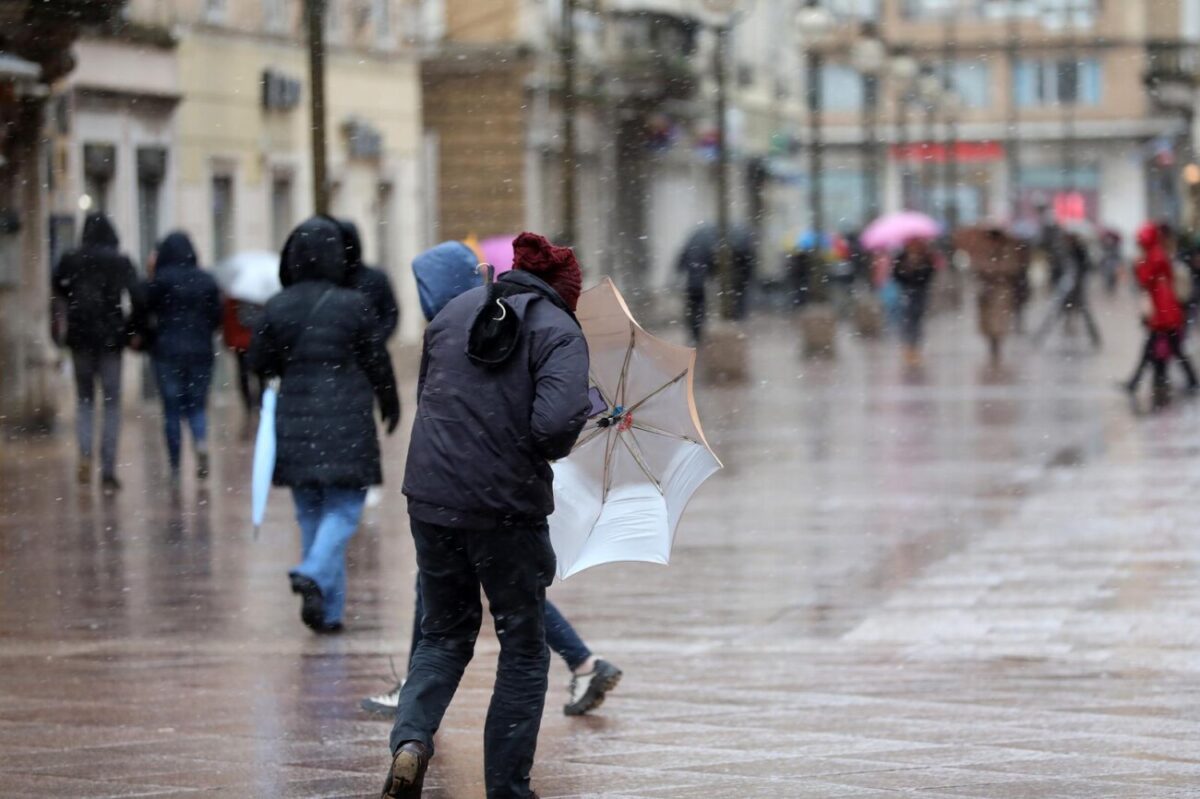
x: 328, y: 518
x: 560, y: 635
x: 183, y: 385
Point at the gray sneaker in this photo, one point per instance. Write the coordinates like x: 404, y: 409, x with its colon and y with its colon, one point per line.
x: 383, y: 704
x: 588, y: 690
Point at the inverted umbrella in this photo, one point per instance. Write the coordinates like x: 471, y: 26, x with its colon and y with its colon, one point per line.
x: 891, y: 231
x: 620, y: 494
x: 263, y: 469
x: 251, y: 276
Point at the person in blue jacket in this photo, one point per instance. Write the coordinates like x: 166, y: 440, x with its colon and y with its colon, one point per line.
x: 185, y: 306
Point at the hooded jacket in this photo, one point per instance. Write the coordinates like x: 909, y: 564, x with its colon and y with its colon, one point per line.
x: 324, y: 342
x: 93, y: 280
x: 1156, y: 277
x: 184, y: 302
x: 498, y: 399
x: 371, y: 282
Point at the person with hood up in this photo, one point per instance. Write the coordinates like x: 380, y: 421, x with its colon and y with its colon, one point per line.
x: 93, y: 281
x: 1166, y: 321
x: 502, y: 392
x: 371, y: 282
x: 999, y: 270
x: 186, y: 305
x: 442, y: 273
x: 324, y: 343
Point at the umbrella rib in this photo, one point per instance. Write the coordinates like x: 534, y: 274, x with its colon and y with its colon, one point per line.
x: 589, y: 436
x: 658, y: 431
x: 635, y: 451
x: 621, y: 384
x: 608, y: 451
x: 658, y: 391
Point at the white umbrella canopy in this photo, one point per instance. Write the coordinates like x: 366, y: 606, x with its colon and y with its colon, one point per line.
x: 251, y: 276
x: 620, y: 494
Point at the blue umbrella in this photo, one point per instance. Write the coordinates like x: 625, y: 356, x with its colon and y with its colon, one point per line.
x: 264, y: 457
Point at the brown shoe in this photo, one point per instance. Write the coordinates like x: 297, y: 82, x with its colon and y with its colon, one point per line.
x: 407, y: 776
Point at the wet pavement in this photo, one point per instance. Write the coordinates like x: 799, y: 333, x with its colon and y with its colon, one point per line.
x: 951, y: 583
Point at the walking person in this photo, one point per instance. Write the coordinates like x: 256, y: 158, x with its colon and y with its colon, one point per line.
x: 325, y: 345
x: 503, y: 390
x: 185, y: 304
x: 93, y: 281
x: 373, y: 283
x: 449, y: 268
x: 913, y: 271
x: 1073, y: 265
x: 999, y: 270
x: 1166, y: 321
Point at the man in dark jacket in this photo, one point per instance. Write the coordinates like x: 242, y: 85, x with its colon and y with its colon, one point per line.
x: 503, y: 391
x: 371, y: 282
x: 93, y: 281
x: 185, y: 305
x: 325, y: 344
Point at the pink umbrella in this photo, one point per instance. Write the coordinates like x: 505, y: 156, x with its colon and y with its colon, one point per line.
x: 498, y: 251
x: 890, y: 231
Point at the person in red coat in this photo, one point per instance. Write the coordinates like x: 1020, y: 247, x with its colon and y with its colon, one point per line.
x: 237, y: 321
x: 1166, y: 321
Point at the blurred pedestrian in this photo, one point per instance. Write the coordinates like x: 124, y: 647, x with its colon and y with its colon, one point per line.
x: 1110, y: 259
x: 1073, y: 265
x: 1190, y: 255
x: 503, y: 391
x: 185, y: 304
x: 999, y: 270
x: 440, y: 277
x: 93, y: 281
x: 239, y: 319
x: 699, y: 261
x: 325, y: 344
x: 373, y: 283
x: 1166, y: 321
x: 913, y: 271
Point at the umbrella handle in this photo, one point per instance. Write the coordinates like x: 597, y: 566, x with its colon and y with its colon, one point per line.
x: 488, y: 272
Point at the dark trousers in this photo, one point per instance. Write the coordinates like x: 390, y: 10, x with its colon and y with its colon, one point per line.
x: 560, y: 635
x: 1174, y: 344
x: 250, y: 386
x: 514, y: 566
x: 696, y: 312
x: 103, y: 366
x: 183, y: 385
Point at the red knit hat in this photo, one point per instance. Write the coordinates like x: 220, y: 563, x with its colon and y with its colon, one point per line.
x: 555, y: 265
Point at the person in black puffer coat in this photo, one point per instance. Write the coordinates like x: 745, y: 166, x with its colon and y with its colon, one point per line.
x: 93, y: 281
x: 325, y: 343
x: 373, y: 283
x: 503, y: 390
x: 185, y: 303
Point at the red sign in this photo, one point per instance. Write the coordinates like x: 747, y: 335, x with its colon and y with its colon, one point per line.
x: 964, y: 151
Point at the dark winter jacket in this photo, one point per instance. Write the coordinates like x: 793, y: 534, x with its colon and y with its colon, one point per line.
x: 93, y: 280
x: 183, y: 301
x: 325, y: 343
x: 371, y: 282
x: 485, y: 432
x: 913, y: 275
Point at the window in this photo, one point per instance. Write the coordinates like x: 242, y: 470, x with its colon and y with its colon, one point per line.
x: 99, y: 167
x: 841, y: 88
x: 333, y: 19
x: 381, y: 19
x: 973, y: 82
x: 275, y: 15
x: 281, y: 208
x: 214, y: 10
x: 151, y: 172
x: 383, y: 225
x: 1058, y: 82
x: 222, y: 217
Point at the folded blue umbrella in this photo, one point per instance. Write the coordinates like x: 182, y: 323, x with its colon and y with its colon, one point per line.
x: 263, y: 470
x: 443, y: 272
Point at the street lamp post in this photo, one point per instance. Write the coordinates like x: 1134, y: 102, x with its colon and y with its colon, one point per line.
x: 569, y: 111
x: 314, y: 12
x: 904, y: 70
x: 869, y: 56
x: 929, y: 90
x: 950, y: 109
x: 814, y: 22
x: 1012, y: 151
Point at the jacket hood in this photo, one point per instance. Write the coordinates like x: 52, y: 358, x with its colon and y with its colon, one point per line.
x: 98, y: 231
x: 314, y: 251
x: 352, y: 243
x: 1149, y: 237
x: 496, y: 330
x: 176, y: 250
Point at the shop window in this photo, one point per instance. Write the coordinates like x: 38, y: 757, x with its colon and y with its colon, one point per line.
x: 222, y: 217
